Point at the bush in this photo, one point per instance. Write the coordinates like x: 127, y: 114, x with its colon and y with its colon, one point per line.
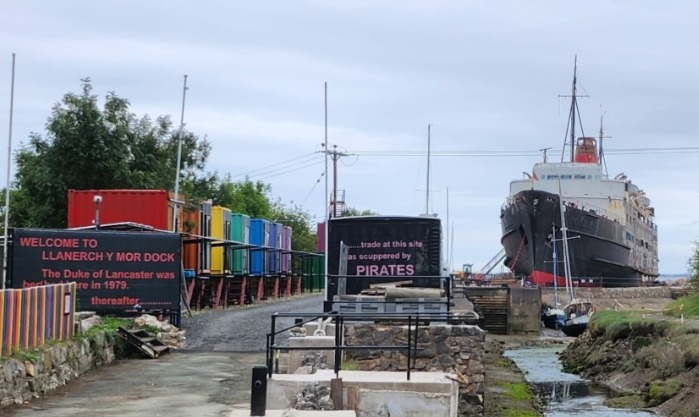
x: 661, y: 391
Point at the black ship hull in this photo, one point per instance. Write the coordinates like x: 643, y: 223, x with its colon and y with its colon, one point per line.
x: 597, y: 250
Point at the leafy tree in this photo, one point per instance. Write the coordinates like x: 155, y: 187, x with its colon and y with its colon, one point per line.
x: 246, y: 196
x: 304, y: 239
x: 351, y: 211
x: 86, y: 147
x: 693, y: 266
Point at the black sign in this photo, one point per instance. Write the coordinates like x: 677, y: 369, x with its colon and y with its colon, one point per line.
x: 114, y: 271
x: 384, y: 249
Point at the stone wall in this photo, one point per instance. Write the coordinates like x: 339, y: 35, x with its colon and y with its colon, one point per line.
x: 440, y: 348
x: 593, y: 293
x: 46, y: 369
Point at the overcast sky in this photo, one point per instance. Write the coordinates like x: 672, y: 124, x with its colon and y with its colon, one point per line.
x: 487, y: 76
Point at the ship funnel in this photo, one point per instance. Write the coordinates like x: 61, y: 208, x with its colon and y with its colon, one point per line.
x: 586, y: 151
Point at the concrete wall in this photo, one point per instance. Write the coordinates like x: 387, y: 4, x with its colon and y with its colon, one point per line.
x: 43, y: 370
x: 525, y: 311
x: 442, y: 348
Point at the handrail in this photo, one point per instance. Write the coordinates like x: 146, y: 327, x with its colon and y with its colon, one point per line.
x: 412, y: 320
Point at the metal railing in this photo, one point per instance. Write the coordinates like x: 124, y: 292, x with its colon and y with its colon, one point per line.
x: 413, y: 322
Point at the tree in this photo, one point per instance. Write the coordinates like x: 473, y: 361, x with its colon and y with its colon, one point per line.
x: 245, y: 196
x: 351, y: 211
x: 693, y: 266
x: 86, y: 147
x: 304, y: 239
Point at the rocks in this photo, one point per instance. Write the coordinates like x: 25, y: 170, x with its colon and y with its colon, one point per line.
x: 314, y: 397
x: 164, y: 331
x: 89, y: 322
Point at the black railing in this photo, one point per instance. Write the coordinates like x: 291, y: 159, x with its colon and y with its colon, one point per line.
x: 413, y: 321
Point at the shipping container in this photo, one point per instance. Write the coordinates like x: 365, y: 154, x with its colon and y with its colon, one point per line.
x: 205, y: 233
x: 383, y: 249
x: 259, y: 237
x: 221, y: 230
x: 190, y: 226
x: 240, y: 233
x: 320, y: 237
x: 149, y: 207
x: 275, y: 243
x: 286, y: 249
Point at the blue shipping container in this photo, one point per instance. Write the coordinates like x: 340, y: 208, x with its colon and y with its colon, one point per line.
x: 259, y: 238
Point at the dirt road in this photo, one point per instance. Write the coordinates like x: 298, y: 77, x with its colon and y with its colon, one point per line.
x: 208, y: 378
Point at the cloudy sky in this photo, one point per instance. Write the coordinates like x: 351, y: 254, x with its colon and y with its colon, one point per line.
x: 486, y: 75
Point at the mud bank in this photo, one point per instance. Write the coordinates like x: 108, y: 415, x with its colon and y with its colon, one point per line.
x: 651, y: 363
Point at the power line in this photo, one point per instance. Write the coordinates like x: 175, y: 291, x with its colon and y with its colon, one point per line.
x: 273, y: 171
x: 511, y: 153
x: 274, y: 165
x: 291, y: 170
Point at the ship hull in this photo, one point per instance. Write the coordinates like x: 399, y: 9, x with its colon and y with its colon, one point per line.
x: 597, y: 252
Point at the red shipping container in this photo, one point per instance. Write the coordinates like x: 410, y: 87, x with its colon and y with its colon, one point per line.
x: 149, y: 207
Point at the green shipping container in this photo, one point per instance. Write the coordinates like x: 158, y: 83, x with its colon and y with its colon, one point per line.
x: 240, y: 233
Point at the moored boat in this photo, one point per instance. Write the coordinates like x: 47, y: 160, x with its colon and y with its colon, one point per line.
x: 610, y: 222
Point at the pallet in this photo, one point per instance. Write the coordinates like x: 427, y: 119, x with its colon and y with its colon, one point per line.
x: 144, y: 341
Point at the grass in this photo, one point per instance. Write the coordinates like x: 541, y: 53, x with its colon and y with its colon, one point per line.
x: 615, y: 325
x: 517, y: 390
x: 688, y: 305
x: 661, y: 391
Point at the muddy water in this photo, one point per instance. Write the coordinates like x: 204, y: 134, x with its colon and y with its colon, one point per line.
x: 564, y: 394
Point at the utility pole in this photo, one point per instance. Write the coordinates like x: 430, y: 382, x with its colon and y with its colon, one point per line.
x: 335, y: 155
x: 179, y: 159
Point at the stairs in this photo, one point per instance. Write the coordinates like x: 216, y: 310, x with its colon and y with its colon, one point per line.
x: 144, y: 342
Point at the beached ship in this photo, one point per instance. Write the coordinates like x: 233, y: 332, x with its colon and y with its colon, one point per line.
x: 612, y: 237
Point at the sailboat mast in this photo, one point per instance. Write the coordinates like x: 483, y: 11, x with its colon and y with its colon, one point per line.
x: 555, y: 269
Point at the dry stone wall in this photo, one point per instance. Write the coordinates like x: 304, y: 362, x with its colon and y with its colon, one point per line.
x: 448, y: 348
x: 49, y: 368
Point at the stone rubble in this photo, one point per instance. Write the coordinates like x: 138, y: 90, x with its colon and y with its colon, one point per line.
x: 167, y: 333
x: 314, y: 397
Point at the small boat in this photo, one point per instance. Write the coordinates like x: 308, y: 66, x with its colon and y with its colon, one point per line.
x: 553, y: 318
x: 577, y: 317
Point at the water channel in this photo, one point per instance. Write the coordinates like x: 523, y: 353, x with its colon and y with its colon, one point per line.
x: 565, y: 395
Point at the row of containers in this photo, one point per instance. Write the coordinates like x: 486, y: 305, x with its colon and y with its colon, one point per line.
x: 228, y: 258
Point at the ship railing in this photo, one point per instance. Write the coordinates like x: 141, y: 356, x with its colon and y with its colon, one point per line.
x: 591, y: 208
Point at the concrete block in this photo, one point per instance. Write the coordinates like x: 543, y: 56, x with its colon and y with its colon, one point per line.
x: 431, y: 389
x: 297, y: 413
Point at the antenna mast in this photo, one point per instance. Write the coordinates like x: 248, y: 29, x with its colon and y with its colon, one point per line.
x: 427, y: 193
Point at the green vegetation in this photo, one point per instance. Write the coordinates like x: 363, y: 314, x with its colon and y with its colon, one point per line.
x: 626, y: 401
x: 32, y: 355
x: 615, y: 325
x: 519, y: 392
x: 688, y: 305
x: 693, y: 266
x: 350, y: 365
x: 661, y: 391
x: 127, y: 151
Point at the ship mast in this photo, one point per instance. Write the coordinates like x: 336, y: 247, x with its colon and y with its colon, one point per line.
x: 573, y: 107
x: 572, y: 115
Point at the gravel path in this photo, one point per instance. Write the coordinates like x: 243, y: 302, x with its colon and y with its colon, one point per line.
x: 243, y: 329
